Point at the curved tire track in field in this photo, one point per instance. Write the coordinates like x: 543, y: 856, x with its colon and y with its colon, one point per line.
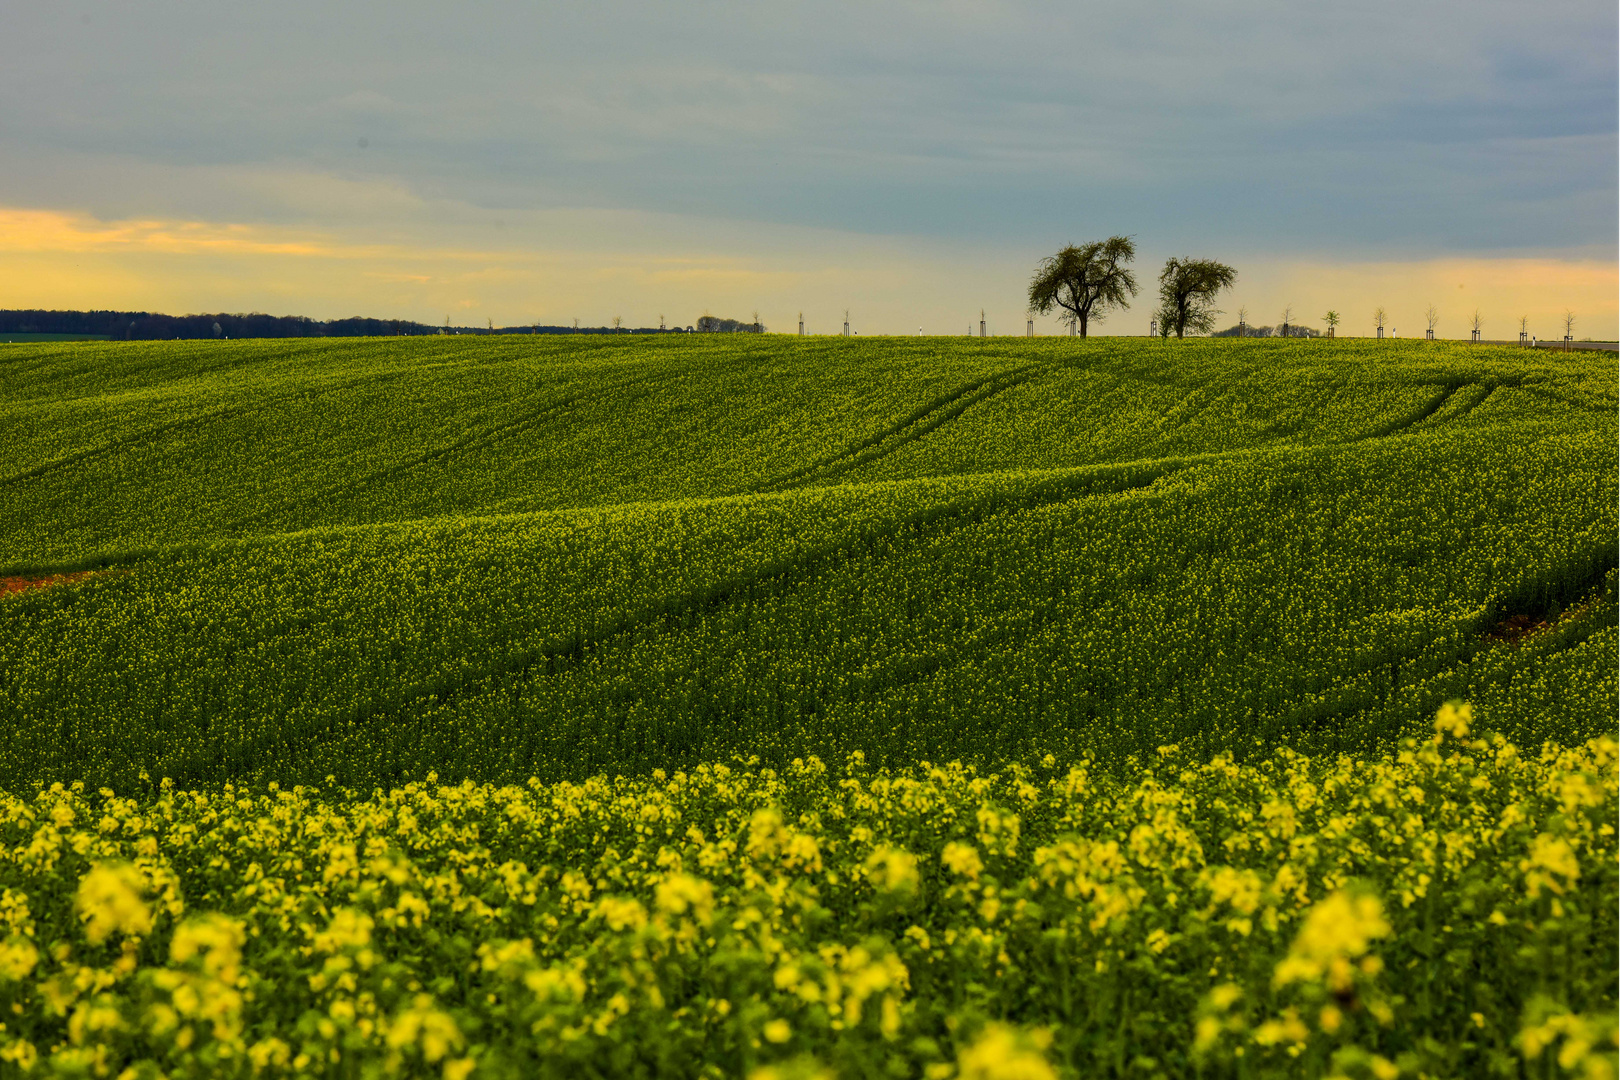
x: 919, y: 423
x: 147, y: 435
x: 1428, y: 409
x: 773, y: 579
x: 473, y: 441
x: 1479, y: 390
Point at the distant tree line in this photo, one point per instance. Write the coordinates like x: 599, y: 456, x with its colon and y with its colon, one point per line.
x: 713, y: 324
x: 148, y: 326
x: 1242, y: 330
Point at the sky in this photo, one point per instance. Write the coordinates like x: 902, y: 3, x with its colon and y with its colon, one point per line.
x: 909, y: 162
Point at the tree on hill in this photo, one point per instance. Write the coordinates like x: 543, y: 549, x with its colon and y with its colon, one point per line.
x: 1187, y: 291
x: 1085, y: 281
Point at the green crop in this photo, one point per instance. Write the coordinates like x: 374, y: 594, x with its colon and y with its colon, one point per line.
x: 479, y: 578
x: 782, y: 549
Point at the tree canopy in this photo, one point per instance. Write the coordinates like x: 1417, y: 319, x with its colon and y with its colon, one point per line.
x: 1085, y: 281
x: 1187, y: 290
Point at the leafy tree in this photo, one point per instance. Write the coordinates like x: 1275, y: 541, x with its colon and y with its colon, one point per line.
x: 1085, y: 281
x: 1332, y: 320
x: 1187, y: 290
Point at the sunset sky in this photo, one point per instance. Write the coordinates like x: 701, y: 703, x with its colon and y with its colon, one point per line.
x: 910, y: 162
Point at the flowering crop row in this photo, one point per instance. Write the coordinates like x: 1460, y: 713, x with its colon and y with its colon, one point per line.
x: 1445, y: 910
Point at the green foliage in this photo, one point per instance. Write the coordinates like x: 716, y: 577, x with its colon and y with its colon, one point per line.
x: 1006, y: 551
x: 1121, y: 586
x: 1187, y: 291
x: 1085, y: 281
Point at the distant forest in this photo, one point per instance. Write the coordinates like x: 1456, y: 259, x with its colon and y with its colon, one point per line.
x: 1267, y: 331
x: 149, y: 326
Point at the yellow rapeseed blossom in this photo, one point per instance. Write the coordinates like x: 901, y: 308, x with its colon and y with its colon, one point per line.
x: 1263, y: 916
x: 892, y: 870
x: 1002, y: 1052
x: 1339, y: 929
x: 109, y: 900
x: 1551, y: 865
x: 962, y: 859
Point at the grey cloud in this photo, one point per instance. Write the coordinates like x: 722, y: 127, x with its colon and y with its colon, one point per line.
x: 1382, y: 125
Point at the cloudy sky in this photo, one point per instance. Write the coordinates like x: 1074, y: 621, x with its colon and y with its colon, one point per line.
x: 908, y: 161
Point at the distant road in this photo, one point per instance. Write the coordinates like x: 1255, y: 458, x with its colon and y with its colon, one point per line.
x: 1596, y: 346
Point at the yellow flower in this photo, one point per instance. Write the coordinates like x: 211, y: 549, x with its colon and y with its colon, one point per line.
x: 424, y: 1026
x: 1453, y: 719
x: 1550, y: 858
x: 17, y: 958
x: 892, y: 870
x: 1286, y: 1028
x: 800, y: 1068
x: 621, y: 913
x: 1588, y: 1039
x: 1002, y: 1052
x: 962, y: 859
x: 216, y: 938
x: 109, y: 901
x: 778, y: 1031
x: 680, y: 894
x: 348, y: 929
x: 1338, y: 929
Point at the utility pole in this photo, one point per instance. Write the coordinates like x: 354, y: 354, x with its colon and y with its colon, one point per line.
x: 981, y: 322
x: 801, y: 324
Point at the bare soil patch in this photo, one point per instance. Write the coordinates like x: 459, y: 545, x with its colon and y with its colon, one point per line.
x: 10, y: 586
x: 1514, y: 629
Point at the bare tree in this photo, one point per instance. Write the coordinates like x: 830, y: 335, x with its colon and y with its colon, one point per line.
x: 1378, y: 317
x: 1243, y: 321
x: 1085, y: 281
x: 616, y: 322
x: 1569, y: 324
x: 1432, y: 317
x: 1187, y: 291
x: 1524, y: 328
x: 1477, y: 322
x: 1287, y: 318
x: 1332, y: 320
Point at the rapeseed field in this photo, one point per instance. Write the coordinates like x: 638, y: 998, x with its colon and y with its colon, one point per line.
x: 807, y: 708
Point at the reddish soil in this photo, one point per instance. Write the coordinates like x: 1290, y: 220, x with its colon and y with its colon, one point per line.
x: 1515, y: 628
x: 12, y: 585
